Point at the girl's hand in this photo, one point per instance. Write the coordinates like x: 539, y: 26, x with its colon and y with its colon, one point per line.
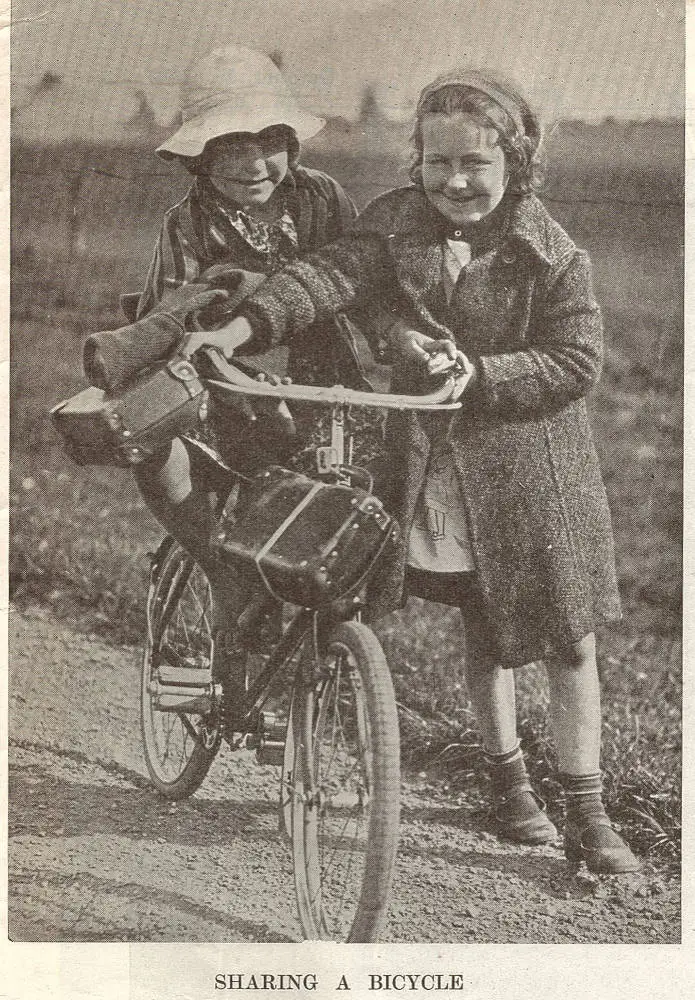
x: 226, y: 340
x: 439, y: 356
x: 410, y: 343
x: 440, y: 362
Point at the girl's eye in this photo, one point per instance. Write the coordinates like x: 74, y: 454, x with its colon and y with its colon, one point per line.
x: 273, y: 140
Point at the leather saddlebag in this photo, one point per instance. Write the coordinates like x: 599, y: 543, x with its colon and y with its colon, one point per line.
x: 126, y: 429
x: 310, y: 542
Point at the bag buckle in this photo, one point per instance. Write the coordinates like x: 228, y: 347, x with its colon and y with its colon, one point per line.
x: 183, y: 371
x: 327, y: 460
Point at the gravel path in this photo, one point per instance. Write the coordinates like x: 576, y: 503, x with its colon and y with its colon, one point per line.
x: 96, y: 855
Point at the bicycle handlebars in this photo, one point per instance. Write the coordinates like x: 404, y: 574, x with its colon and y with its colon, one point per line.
x: 236, y: 382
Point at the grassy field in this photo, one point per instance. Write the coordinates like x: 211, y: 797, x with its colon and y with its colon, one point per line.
x: 82, y: 233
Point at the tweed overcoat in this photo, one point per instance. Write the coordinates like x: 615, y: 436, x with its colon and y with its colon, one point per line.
x: 525, y: 313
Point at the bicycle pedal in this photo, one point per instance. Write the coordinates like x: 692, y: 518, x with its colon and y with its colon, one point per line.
x: 183, y: 676
x: 188, y: 702
x: 182, y: 689
x: 270, y: 739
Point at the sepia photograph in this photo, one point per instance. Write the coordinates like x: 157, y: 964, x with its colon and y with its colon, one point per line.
x: 345, y: 499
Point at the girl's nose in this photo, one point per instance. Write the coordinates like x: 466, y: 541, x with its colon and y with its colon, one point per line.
x: 458, y: 182
x: 251, y: 157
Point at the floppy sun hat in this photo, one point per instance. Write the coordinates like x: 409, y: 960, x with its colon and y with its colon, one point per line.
x: 235, y: 89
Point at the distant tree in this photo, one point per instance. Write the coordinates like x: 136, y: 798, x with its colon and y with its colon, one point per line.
x: 47, y: 84
x: 49, y: 81
x: 277, y: 57
x: 369, y: 105
x: 143, y: 118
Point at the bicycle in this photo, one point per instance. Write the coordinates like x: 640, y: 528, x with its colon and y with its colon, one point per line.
x: 334, y: 727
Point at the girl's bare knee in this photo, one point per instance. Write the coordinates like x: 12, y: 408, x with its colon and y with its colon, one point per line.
x: 165, y: 475
x: 576, y: 656
x: 153, y: 468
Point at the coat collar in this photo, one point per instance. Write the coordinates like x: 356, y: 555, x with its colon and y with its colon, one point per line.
x: 420, y: 223
x: 529, y: 225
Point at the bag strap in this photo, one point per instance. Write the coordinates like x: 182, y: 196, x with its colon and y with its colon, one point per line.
x: 279, y: 531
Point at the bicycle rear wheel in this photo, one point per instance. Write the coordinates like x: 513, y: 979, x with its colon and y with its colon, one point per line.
x: 344, y: 786
x: 179, y: 715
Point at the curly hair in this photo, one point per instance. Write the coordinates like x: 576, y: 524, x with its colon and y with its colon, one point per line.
x: 523, y: 150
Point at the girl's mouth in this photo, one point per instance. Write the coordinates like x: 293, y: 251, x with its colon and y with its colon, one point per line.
x: 243, y: 181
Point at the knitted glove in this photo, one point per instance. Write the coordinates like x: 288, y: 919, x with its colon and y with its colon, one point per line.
x: 236, y: 283
x: 111, y: 358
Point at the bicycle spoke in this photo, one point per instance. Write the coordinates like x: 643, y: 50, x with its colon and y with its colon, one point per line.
x: 203, y: 619
x: 344, y: 832
x: 179, y: 746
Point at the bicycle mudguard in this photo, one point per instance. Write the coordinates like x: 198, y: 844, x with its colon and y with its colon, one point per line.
x: 311, y: 543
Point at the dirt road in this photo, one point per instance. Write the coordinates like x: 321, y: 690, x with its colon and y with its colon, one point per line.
x: 96, y: 855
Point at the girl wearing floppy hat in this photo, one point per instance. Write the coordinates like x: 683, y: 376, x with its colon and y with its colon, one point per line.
x: 502, y: 507
x: 250, y: 204
x: 250, y: 210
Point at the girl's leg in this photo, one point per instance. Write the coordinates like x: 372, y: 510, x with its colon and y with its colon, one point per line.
x: 186, y: 510
x: 517, y: 810
x: 492, y: 694
x: 166, y: 486
x: 575, y: 717
x: 575, y: 707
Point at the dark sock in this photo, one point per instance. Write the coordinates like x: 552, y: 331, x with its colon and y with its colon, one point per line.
x: 503, y: 758
x: 508, y: 776
x: 505, y: 769
x: 583, y: 797
x: 585, y: 809
x: 191, y: 522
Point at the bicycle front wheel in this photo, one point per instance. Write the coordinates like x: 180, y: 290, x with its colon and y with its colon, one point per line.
x: 345, y: 786
x: 179, y: 719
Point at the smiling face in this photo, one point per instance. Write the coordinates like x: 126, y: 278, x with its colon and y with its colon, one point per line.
x: 463, y: 167
x: 248, y: 167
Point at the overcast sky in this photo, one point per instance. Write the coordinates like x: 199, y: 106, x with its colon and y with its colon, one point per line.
x: 580, y: 58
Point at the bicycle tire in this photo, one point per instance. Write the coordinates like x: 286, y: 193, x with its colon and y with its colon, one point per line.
x: 344, y: 786
x: 179, y: 747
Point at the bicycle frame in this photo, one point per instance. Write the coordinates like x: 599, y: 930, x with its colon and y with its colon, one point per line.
x: 252, y: 699
x: 331, y: 461
x: 336, y: 742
